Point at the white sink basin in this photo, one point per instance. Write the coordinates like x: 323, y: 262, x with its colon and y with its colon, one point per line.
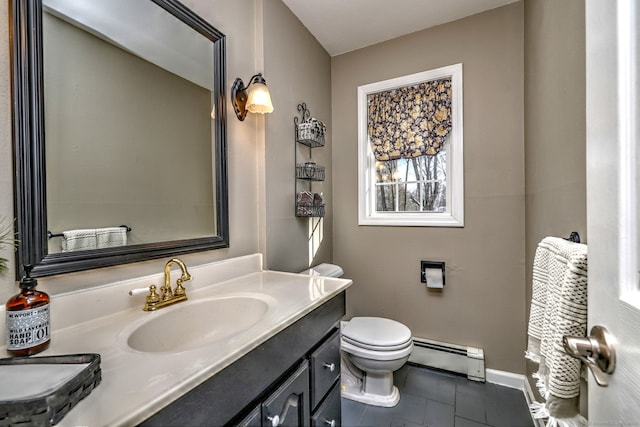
x: 193, y: 324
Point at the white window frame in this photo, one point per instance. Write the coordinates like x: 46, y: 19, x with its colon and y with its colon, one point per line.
x: 454, y: 215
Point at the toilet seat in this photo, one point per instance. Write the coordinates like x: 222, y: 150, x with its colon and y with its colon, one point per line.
x: 376, y: 333
x: 378, y: 355
x: 376, y: 347
x: 376, y: 338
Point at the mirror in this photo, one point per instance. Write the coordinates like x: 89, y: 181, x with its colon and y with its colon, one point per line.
x: 135, y: 133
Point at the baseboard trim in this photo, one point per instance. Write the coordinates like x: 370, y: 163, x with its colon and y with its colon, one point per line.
x: 507, y: 379
x: 528, y: 394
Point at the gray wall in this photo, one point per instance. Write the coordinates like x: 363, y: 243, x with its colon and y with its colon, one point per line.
x: 483, y: 303
x: 297, y: 69
x: 555, y: 144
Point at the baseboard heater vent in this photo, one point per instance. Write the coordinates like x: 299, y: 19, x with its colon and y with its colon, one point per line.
x: 468, y: 361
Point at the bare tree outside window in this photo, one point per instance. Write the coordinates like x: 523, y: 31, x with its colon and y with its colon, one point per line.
x: 418, y: 184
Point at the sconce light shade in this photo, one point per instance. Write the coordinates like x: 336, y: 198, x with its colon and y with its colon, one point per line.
x: 257, y: 100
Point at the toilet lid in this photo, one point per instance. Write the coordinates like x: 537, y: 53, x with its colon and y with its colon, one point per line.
x: 376, y: 332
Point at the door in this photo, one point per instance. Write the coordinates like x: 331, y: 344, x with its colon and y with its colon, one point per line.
x: 613, y: 115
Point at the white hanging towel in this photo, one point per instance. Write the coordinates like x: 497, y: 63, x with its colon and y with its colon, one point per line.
x: 558, y: 308
x: 111, y: 236
x: 93, y: 238
x: 79, y: 240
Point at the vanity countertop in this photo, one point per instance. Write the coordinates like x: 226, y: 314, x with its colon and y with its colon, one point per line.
x: 135, y: 385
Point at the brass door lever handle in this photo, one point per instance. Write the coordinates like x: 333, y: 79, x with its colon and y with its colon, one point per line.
x: 596, y: 351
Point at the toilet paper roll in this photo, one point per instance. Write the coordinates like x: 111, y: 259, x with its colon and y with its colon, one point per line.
x: 434, y: 278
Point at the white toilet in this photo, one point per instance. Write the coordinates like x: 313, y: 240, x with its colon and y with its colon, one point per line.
x: 372, y: 348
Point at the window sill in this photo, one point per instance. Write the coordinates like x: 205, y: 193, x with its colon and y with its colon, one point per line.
x: 418, y: 219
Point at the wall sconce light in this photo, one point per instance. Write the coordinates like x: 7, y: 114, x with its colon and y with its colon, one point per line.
x: 254, y: 97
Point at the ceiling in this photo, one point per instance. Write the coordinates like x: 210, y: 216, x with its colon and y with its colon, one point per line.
x: 345, y: 25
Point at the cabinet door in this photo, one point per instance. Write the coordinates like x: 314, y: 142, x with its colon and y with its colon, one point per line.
x: 329, y: 414
x: 289, y: 404
x: 325, y: 368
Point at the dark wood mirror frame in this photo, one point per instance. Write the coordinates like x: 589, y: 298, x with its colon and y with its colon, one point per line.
x: 30, y: 201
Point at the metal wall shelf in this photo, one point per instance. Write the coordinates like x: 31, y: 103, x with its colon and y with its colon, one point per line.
x: 309, y: 132
x: 309, y: 171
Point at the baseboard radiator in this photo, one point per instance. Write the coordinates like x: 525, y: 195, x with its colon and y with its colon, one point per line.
x: 468, y: 361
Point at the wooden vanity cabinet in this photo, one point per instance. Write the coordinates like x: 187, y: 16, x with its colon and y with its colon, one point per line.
x: 291, y: 370
x: 312, y: 390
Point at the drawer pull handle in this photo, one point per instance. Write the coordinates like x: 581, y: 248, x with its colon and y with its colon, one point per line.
x: 292, y: 401
x: 330, y: 423
x: 330, y: 366
x: 275, y: 420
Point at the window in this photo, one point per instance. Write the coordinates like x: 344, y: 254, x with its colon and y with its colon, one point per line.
x: 412, y: 185
x: 417, y: 178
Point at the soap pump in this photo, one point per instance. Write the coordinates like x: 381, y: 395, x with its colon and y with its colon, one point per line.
x: 28, y: 330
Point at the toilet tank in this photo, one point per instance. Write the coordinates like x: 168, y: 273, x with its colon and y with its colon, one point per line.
x: 326, y: 270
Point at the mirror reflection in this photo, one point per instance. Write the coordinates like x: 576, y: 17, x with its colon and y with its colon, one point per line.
x: 119, y: 124
x: 128, y: 101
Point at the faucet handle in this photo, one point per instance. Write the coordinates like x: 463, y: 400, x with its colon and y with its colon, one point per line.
x: 180, y: 290
x: 153, y: 297
x: 138, y: 291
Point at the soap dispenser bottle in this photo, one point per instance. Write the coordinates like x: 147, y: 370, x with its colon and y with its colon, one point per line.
x: 28, y: 330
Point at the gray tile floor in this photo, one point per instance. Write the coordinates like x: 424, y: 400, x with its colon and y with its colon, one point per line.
x: 437, y: 399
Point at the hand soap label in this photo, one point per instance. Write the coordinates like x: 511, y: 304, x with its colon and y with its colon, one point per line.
x: 27, y: 328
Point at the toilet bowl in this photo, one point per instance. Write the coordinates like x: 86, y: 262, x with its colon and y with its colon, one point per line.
x: 371, y: 348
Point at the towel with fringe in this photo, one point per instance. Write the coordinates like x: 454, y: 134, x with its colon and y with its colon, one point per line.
x: 558, y: 308
x: 93, y: 238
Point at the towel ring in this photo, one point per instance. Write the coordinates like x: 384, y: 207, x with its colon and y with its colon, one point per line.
x: 573, y: 237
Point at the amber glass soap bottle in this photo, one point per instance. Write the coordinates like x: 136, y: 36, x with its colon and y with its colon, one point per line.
x: 28, y: 330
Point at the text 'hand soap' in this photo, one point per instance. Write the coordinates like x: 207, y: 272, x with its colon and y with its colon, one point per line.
x: 28, y: 330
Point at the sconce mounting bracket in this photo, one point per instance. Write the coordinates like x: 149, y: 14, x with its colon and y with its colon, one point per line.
x: 239, y: 98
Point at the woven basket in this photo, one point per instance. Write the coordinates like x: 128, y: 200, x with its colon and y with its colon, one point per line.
x: 311, y: 133
x: 48, y: 410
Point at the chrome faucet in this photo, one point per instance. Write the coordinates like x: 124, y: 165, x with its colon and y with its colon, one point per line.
x: 167, y: 295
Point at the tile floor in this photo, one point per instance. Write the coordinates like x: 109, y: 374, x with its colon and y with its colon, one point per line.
x: 437, y: 399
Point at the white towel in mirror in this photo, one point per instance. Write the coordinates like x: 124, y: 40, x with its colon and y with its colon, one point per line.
x: 111, y: 236
x: 93, y: 238
x: 79, y: 240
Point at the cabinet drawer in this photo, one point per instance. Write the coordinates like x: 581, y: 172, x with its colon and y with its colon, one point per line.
x: 325, y: 368
x: 330, y: 412
x: 289, y: 404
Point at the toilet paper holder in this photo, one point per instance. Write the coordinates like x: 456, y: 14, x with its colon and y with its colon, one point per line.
x: 424, y: 265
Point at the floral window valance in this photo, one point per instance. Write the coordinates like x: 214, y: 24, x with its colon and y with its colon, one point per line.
x: 410, y: 121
